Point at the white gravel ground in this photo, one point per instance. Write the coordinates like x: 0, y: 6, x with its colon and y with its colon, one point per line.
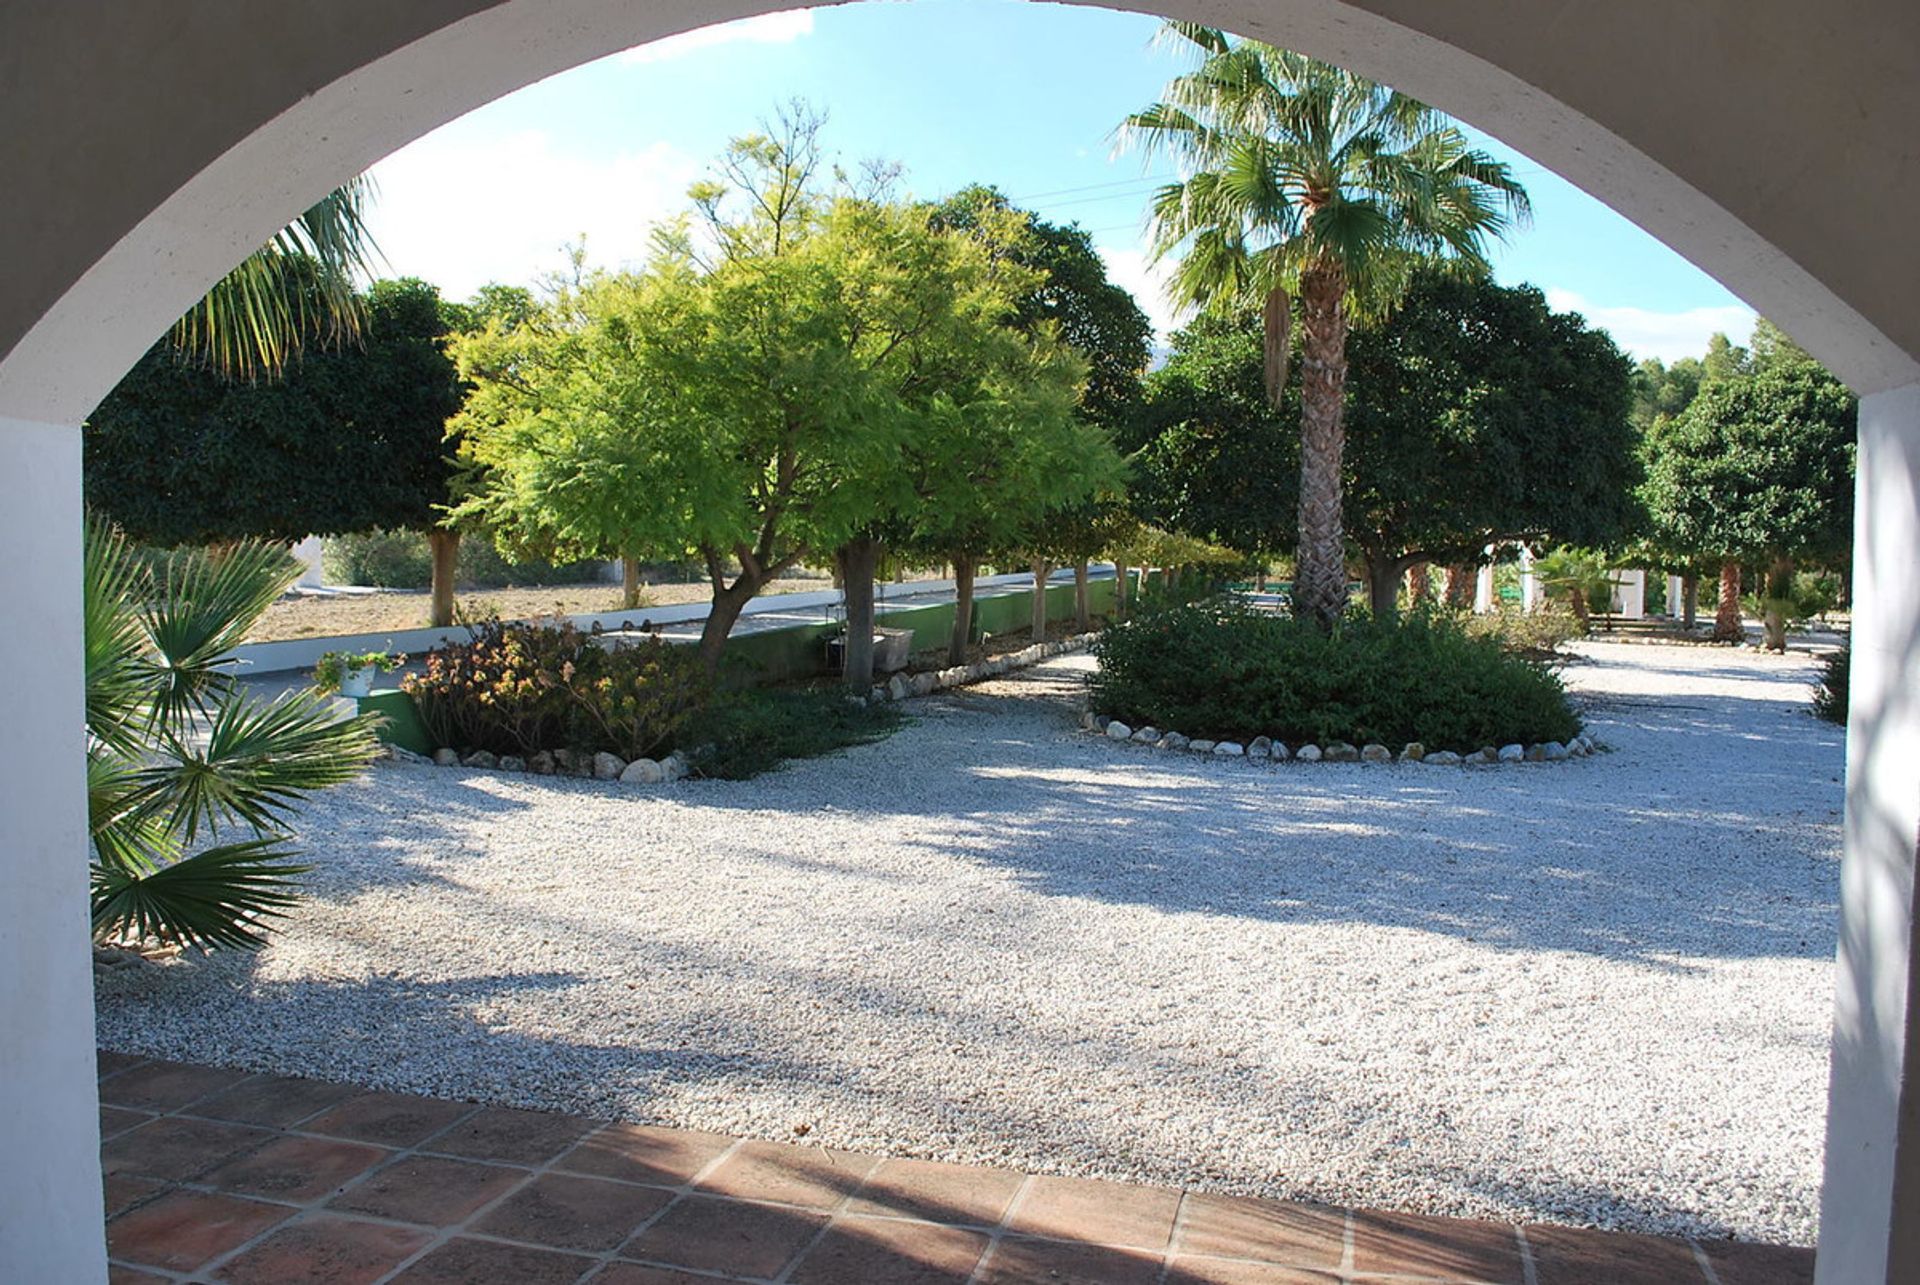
x: 1592, y: 992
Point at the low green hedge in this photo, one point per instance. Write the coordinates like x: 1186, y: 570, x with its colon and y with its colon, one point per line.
x: 1228, y: 673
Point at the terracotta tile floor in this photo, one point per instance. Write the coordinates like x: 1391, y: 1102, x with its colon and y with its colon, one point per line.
x: 219, y: 1176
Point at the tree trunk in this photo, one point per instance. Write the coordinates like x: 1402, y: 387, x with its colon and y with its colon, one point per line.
x: 1383, y: 587
x: 1320, y: 576
x: 1082, y: 609
x: 1041, y: 570
x: 1419, y: 585
x: 445, y: 547
x: 723, y: 609
x: 963, y: 573
x: 1460, y: 586
x: 1689, y: 594
x: 1121, y: 574
x: 857, y: 560
x: 629, y: 583
x: 1775, y: 589
x: 1727, y: 626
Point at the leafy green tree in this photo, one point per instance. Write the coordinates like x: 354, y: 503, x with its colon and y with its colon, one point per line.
x: 180, y: 758
x: 1479, y: 416
x: 344, y: 440
x: 1758, y: 469
x: 1661, y: 391
x: 1303, y: 179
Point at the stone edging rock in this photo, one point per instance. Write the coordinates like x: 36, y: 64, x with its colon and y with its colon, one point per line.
x: 1265, y: 747
x: 644, y: 771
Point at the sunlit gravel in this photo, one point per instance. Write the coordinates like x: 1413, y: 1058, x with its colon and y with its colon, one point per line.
x: 1594, y: 992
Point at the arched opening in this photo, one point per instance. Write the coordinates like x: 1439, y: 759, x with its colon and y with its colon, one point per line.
x: 105, y: 270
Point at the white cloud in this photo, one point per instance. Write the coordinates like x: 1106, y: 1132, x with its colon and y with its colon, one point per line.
x: 463, y: 212
x: 780, y: 28
x: 1669, y: 336
x: 1129, y: 268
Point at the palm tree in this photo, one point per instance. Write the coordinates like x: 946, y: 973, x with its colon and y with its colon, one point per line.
x: 178, y: 755
x: 298, y: 285
x: 1303, y: 179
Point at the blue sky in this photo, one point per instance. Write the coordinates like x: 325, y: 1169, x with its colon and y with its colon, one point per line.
x: 1017, y: 94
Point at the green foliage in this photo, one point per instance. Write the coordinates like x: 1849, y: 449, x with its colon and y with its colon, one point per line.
x: 1807, y: 595
x: 1760, y: 464
x: 347, y: 439
x: 175, y: 747
x: 404, y: 560
x: 1830, y: 692
x: 1538, y: 634
x: 334, y: 666
x: 1227, y: 673
x: 1580, y: 578
x: 519, y: 688
x: 756, y: 729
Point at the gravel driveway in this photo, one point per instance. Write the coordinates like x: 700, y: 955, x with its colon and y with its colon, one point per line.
x: 1594, y: 992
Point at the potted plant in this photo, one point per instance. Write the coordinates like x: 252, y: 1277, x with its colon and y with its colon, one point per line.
x: 350, y: 673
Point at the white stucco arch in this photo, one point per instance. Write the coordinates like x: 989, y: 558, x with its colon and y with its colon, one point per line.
x: 149, y: 148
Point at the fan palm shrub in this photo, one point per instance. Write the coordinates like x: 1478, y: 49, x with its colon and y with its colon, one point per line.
x: 191, y: 781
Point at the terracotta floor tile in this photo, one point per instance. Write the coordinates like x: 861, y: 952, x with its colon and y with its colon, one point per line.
x: 165, y: 1086
x: 938, y: 1192
x: 183, y: 1229
x: 641, y: 1274
x: 422, y: 1189
x: 113, y: 1063
x: 387, y: 1119
x: 1741, y: 1263
x: 177, y: 1148
x: 642, y: 1153
x: 462, y: 1261
x: 124, y: 1191
x: 119, y: 1119
x: 1232, y: 1271
x: 570, y: 1212
x: 1576, y: 1256
x: 325, y: 1250
x: 278, y: 1101
x: 513, y: 1137
x: 726, y: 1236
x: 812, y: 1176
x: 118, y: 1275
x: 1268, y: 1231
x: 1450, y: 1248
x: 1105, y: 1213
x: 899, y: 1253
x: 296, y: 1169
x: 1024, y: 1262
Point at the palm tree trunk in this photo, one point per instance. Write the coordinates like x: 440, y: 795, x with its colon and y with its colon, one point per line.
x: 1320, y: 577
x: 1419, y: 585
x: 1775, y: 590
x: 963, y: 573
x: 1727, y: 626
x: 1459, y: 590
x: 445, y: 548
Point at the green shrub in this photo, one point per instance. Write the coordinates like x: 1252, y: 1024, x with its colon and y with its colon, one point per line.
x: 1538, y: 634
x: 755, y: 730
x: 521, y: 688
x: 1229, y: 673
x: 1830, y: 693
x: 402, y: 560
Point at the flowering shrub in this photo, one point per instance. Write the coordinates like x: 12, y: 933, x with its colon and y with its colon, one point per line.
x: 521, y: 688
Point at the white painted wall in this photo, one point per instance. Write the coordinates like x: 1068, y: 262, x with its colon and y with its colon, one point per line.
x: 50, y: 1201
x: 1871, y: 1020
x: 1630, y: 594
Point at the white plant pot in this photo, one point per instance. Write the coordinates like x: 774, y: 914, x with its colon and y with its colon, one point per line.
x: 357, y: 682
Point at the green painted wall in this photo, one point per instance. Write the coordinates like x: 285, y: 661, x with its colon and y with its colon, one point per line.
x: 401, y: 725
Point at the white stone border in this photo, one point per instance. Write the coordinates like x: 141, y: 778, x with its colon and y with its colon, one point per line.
x: 1271, y: 750
x: 645, y: 771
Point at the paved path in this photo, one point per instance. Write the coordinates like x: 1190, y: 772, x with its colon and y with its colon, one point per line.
x: 216, y: 1175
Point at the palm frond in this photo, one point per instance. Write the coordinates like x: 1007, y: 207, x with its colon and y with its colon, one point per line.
x: 299, y: 286
x: 258, y: 759
x: 219, y: 897
x: 113, y: 640
x: 126, y: 834
x: 203, y: 607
